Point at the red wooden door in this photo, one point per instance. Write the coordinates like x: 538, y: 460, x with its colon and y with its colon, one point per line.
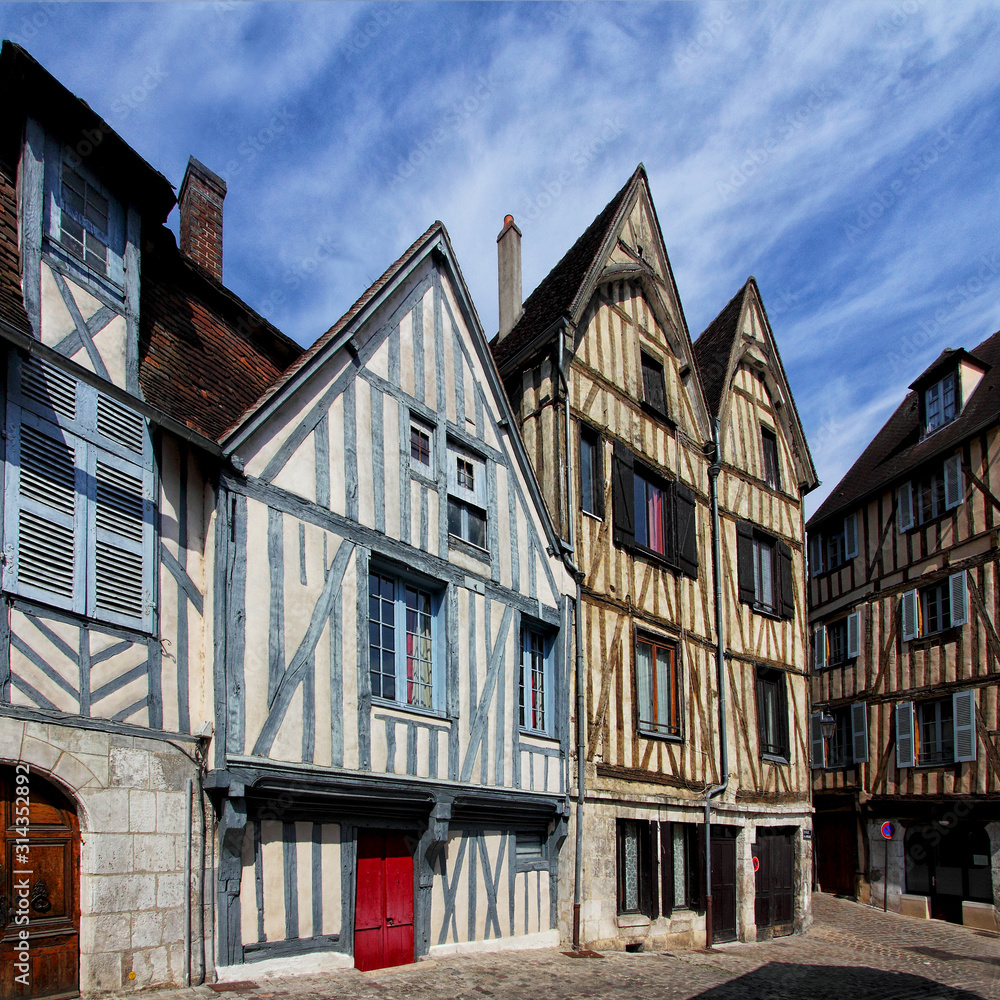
x: 39, y: 889
x: 383, y: 921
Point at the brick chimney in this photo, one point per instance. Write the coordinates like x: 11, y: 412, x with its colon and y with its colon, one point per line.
x: 509, y: 275
x: 200, y: 201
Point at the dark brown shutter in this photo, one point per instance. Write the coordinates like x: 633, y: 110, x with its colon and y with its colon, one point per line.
x: 687, y: 531
x: 744, y: 560
x: 647, y: 869
x: 654, y: 393
x: 620, y: 862
x: 696, y: 867
x: 667, y: 901
x: 623, y: 496
x: 786, y: 581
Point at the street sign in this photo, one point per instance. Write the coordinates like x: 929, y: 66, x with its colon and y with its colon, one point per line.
x: 756, y: 863
x: 888, y: 829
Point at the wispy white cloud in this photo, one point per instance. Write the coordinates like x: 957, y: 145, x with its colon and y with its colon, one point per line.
x: 844, y: 153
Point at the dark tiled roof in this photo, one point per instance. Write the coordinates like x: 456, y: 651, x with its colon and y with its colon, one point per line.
x: 204, y: 355
x: 897, y: 449
x: 11, y: 301
x: 714, y: 347
x: 554, y: 296
x: 304, y: 358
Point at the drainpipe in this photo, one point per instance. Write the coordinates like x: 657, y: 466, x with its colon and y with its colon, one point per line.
x: 711, y: 791
x: 567, y: 555
x: 188, y: 818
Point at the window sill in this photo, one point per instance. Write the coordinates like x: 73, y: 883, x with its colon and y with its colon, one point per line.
x: 759, y: 609
x: 773, y: 758
x: 595, y: 517
x: 537, y: 734
x: 656, y: 414
x: 648, y: 734
x: 941, y: 638
x: 634, y: 920
x: 431, y: 713
x: 423, y: 477
x: 469, y: 548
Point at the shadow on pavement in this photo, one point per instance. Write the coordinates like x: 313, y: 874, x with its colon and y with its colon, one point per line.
x: 784, y: 981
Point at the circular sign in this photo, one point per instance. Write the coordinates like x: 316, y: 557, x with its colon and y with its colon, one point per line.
x: 756, y: 864
x: 888, y: 830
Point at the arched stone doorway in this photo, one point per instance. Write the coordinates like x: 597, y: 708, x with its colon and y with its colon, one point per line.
x: 39, y: 886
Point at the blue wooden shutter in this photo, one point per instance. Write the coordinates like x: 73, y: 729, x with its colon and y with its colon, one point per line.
x: 964, y: 715
x: 904, y: 507
x: 959, y: 605
x: 819, y: 647
x: 953, y: 485
x: 853, y: 635
x: 859, y: 732
x: 910, y: 603
x: 904, y: 734
x: 851, y: 536
x: 816, y: 740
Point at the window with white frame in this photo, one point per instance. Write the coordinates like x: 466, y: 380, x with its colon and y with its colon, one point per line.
x: 402, y: 626
x: 421, y: 447
x: 83, y: 217
x: 833, y: 545
x: 78, y: 521
x: 467, y: 496
x: 534, y: 687
x: 837, y: 642
x: 936, y: 731
x: 935, y: 608
x: 941, y: 403
x: 937, y: 491
x: 657, y: 687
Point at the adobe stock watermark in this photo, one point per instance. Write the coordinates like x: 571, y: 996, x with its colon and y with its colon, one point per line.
x: 295, y: 276
x: 134, y: 97
x: 756, y: 157
x: 898, y: 16
x: 708, y: 34
x: 532, y: 206
x: 373, y: 26
x: 454, y: 120
x: 886, y: 197
x: 41, y: 17
x: 21, y: 875
x: 278, y: 127
x: 908, y: 349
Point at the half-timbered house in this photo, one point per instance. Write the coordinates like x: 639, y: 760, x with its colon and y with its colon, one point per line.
x: 651, y: 452
x: 903, y: 593
x: 282, y: 645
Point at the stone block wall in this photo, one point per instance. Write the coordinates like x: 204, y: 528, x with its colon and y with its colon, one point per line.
x: 131, y: 796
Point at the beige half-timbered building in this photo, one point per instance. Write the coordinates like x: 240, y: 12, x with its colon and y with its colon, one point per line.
x: 633, y: 431
x: 903, y: 597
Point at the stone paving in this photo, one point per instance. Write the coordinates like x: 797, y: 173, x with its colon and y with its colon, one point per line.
x: 852, y: 951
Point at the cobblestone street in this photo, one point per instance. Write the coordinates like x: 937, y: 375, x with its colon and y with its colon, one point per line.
x: 851, y: 951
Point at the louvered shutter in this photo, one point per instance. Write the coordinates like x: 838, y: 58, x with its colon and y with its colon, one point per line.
x: 904, y: 734
x: 910, y: 602
x: 623, y: 495
x: 959, y: 602
x: 953, y: 485
x: 817, y: 743
x: 46, y: 388
x: 904, y: 507
x: 687, y: 531
x: 786, y: 581
x: 744, y: 560
x: 851, y: 536
x: 853, y: 635
x: 964, y: 715
x: 819, y: 647
x: 815, y: 554
x: 45, y: 514
x: 859, y: 732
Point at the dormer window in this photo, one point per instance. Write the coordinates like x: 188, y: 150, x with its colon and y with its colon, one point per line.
x: 940, y: 403
x: 83, y: 220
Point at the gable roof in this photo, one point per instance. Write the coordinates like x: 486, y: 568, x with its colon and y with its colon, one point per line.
x: 718, y: 352
x: 714, y: 348
x: 899, y: 449
x: 204, y: 354
x: 554, y: 297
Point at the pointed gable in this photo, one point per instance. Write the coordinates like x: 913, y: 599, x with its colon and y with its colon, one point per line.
x: 741, y: 334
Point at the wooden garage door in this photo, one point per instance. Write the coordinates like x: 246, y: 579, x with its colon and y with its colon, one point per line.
x: 39, y: 886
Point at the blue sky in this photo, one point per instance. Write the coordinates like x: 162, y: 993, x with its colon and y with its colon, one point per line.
x: 846, y: 154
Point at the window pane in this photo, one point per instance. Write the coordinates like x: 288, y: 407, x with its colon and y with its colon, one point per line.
x: 655, y: 518
x: 418, y: 647
x: 381, y: 636
x: 948, y: 398
x: 586, y: 474
x: 477, y: 527
x: 771, y: 468
x: 420, y: 445
x: 454, y: 517
x: 762, y: 574
x: 644, y: 683
x: 641, y: 534
x: 664, y: 693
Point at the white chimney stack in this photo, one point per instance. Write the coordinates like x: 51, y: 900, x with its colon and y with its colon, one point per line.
x: 509, y: 275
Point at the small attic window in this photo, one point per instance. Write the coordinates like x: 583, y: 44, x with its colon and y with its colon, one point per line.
x: 654, y: 390
x: 941, y: 403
